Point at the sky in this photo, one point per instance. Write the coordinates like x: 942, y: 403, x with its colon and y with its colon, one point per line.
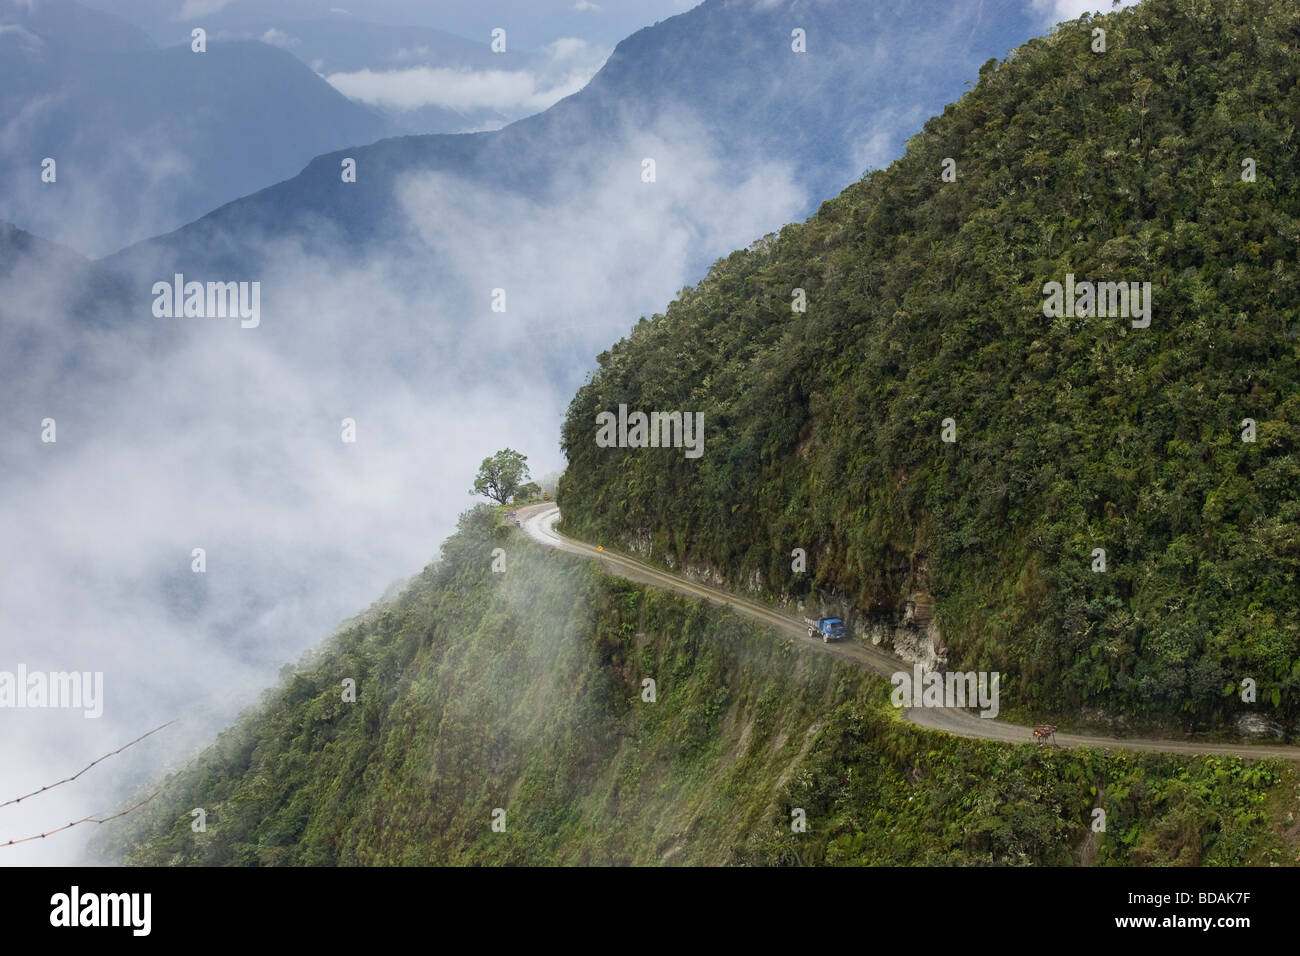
x: 533, y: 23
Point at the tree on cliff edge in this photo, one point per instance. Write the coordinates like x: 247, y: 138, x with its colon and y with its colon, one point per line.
x: 500, y: 476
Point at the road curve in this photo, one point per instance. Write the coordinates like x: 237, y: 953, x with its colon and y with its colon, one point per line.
x: 538, y: 522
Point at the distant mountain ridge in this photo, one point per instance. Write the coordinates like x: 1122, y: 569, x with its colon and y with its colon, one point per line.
x: 146, y: 138
x: 730, y: 64
x: 75, y: 26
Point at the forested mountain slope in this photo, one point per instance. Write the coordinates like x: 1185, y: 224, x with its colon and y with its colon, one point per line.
x: 926, y: 301
x: 519, y: 698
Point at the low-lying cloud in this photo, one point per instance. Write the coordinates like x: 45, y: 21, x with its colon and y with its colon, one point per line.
x: 176, y: 434
x: 277, y: 37
x: 559, y: 70
x: 456, y: 89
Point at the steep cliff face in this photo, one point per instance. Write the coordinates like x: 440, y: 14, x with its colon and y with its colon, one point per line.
x: 1029, y: 399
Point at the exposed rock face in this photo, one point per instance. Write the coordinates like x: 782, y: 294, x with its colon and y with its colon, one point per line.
x: 1258, y: 726
x: 703, y: 574
x: 917, y: 644
x: 919, y: 608
x: 640, y: 545
x: 916, y: 637
x: 1113, y: 724
x: 912, y: 633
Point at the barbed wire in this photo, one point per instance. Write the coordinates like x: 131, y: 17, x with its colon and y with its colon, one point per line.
x: 114, y: 753
x: 93, y: 818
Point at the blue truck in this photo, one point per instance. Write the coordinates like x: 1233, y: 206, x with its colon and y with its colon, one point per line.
x: 828, y: 628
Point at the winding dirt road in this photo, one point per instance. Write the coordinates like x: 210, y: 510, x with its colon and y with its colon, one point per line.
x: 538, y: 522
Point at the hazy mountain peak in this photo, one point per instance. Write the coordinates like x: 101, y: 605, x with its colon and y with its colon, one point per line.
x: 74, y: 26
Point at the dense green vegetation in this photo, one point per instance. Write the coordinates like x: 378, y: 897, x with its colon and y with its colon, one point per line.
x: 925, y: 302
x: 524, y: 691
